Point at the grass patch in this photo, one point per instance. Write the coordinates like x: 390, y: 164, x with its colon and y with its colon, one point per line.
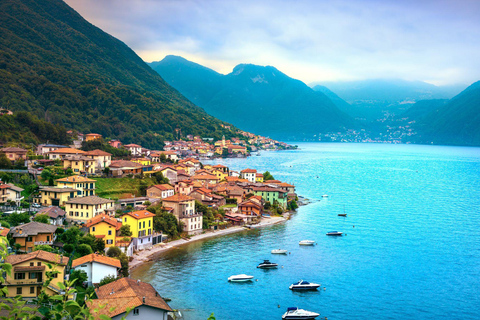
x: 230, y: 205
x: 115, y: 187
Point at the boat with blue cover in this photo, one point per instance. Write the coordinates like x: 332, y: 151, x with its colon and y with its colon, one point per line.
x: 304, y: 285
x: 294, y: 313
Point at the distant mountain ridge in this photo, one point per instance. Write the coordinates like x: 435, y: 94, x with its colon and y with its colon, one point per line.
x: 255, y: 98
x: 60, y: 68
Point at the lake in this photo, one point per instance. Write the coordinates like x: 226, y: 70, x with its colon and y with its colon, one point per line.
x: 411, y: 244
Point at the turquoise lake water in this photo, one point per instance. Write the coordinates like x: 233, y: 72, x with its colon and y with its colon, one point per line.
x: 411, y: 247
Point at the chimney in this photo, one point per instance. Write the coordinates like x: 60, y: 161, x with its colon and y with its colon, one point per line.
x: 143, y: 299
x: 138, y: 282
x: 112, y: 291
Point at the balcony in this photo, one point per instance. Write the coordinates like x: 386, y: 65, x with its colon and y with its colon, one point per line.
x: 24, y: 282
x: 43, y: 242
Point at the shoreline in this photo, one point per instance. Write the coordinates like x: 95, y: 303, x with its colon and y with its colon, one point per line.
x: 148, y: 254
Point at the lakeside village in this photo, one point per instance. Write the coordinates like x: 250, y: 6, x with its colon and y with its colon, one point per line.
x: 86, y: 217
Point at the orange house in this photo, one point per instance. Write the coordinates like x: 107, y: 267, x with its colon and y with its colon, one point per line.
x: 92, y: 136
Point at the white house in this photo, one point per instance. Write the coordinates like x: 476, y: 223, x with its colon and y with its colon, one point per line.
x: 97, y: 267
x: 249, y: 174
x: 134, y: 149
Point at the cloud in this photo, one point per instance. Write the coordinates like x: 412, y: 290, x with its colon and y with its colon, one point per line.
x: 310, y: 40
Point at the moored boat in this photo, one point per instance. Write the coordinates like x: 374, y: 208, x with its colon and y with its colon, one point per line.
x: 304, y: 285
x: 240, y: 278
x: 298, y: 314
x: 306, y: 243
x: 279, y: 251
x: 334, y: 233
x: 266, y: 264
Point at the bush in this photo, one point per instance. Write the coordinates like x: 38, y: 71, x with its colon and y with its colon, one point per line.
x: 83, y: 250
x: 114, y: 252
x: 80, y: 276
x: 106, y: 280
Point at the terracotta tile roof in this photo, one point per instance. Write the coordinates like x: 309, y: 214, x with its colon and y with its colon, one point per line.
x: 52, y: 212
x: 268, y: 189
x: 4, y: 231
x: 163, y: 187
x: 14, y: 150
x: 31, y: 229
x: 178, y: 198
x: 40, y: 255
x: 75, y: 179
x: 53, y: 189
x: 273, y: 181
x: 91, y: 200
x: 67, y: 151
x: 141, y: 214
x: 104, y: 218
x: 126, y: 293
x: 248, y: 171
x: 124, y: 164
x: 284, y: 184
x: 93, y: 257
x: 205, y: 177
x: 98, y: 152
x: 219, y: 166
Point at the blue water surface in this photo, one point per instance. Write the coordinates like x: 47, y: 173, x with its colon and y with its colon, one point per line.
x: 411, y: 244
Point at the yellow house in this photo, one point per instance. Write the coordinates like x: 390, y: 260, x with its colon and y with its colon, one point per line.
x: 104, y: 227
x: 82, y: 209
x: 85, y: 186
x: 80, y: 164
x: 34, y: 233
x: 141, y: 226
x: 29, y: 273
x: 219, y: 174
x: 142, y: 161
x: 52, y: 196
x: 259, y: 177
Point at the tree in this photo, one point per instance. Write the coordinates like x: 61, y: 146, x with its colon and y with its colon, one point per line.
x: 114, y: 252
x: 83, y: 250
x: 98, y: 245
x: 17, y: 218
x: 106, y: 280
x: 5, y: 163
x: 46, y: 174
x: 124, y: 262
x: 80, y: 277
x: 267, y: 176
x: 43, y: 247
x: 160, y: 179
x: 125, y: 230
x: 68, y: 248
x: 43, y: 218
x: 71, y: 236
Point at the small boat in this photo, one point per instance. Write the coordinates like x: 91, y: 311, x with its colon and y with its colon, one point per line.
x: 240, y: 278
x: 266, y: 264
x: 295, y: 313
x: 306, y: 243
x: 304, y: 285
x: 342, y: 214
x: 334, y: 233
x: 279, y: 251
x: 325, y: 196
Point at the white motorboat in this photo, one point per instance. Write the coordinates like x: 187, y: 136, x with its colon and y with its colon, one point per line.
x: 266, y: 264
x: 240, y: 278
x: 279, y: 251
x: 325, y: 196
x: 304, y: 285
x: 334, y: 233
x: 306, y: 243
x: 300, y: 314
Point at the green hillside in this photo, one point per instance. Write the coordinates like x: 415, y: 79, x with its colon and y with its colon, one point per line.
x: 62, y: 69
x: 256, y: 98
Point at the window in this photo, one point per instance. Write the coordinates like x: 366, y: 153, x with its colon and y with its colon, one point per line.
x: 20, y: 276
x: 144, y: 224
x: 48, y: 238
x: 109, y: 232
x: 19, y: 290
x: 29, y: 239
x: 31, y: 264
x: 139, y: 225
x: 32, y: 289
x: 32, y: 275
x: 39, y: 264
x: 136, y: 312
x: 93, y: 229
x: 125, y: 219
x: 149, y: 223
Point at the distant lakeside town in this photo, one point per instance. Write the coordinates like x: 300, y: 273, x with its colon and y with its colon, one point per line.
x: 82, y: 213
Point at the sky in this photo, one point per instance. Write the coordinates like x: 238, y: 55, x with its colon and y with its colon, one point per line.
x: 435, y: 41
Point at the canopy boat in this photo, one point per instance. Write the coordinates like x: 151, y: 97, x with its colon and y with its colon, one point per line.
x: 342, y: 214
x: 279, y: 251
x: 306, y: 243
x: 304, y: 285
x: 240, y: 278
x: 266, y: 264
x: 334, y: 233
x: 295, y: 313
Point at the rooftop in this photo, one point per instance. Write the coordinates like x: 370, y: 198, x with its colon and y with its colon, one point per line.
x: 104, y: 218
x: 142, y: 214
x: 178, y: 198
x: 31, y: 229
x: 77, y: 178
x: 91, y: 200
x: 93, y: 257
x: 40, y: 254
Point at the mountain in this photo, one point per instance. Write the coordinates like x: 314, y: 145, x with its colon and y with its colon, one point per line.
x: 339, y: 102
x: 456, y: 122
x: 255, y: 98
x: 374, y: 98
x: 422, y: 108
x: 63, y: 70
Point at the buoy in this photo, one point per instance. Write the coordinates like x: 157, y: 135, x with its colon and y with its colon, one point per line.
x: 354, y: 226
x: 324, y: 288
x: 282, y: 267
x: 279, y: 306
x: 256, y: 279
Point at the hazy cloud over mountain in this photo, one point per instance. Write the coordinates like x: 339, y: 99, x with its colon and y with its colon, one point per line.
x: 435, y: 41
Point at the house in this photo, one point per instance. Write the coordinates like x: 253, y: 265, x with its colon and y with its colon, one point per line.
x: 30, y: 234
x: 115, y: 297
x: 97, y: 267
x: 29, y: 274
x: 184, y: 187
x: 249, y: 174
x: 237, y: 149
x: 184, y: 210
x: 135, y: 202
x: 141, y: 226
x: 104, y: 227
x: 103, y: 159
x: 172, y: 155
x: 3, y: 192
x: 160, y: 191
x: 289, y: 188
x: 61, y: 153
x: 14, y: 153
x: 84, y: 185
x: 142, y: 161
x: 79, y: 210
x: 271, y: 195
x: 169, y: 173
x: 258, y: 177
x: 230, y: 191
x: 13, y: 193
x: 92, y: 136
x: 207, y: 197
x: 134, y: 149
x: 206, y: 179
x: 115, y: 143
x: 80, y: 164
x: 221, y: 167
x: 55, y: 215
x: 52, y: 196
x: 4, y: 231
x: 251, y: 207
x: 43, y: 149
x: 122, y: 168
